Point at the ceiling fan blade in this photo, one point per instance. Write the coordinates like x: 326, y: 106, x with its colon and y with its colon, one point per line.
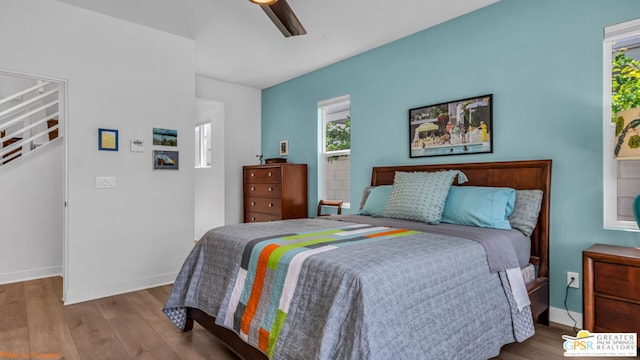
x: 284, y: 18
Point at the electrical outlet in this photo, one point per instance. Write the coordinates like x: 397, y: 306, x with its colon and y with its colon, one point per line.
x: 576, y: 281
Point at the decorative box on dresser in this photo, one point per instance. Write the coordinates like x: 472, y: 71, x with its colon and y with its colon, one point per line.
x: 275, y: 192
x: 611, y: 295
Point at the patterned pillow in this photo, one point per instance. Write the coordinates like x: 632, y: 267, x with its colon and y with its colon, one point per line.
x: 526, y: 210
x: 420, y: 196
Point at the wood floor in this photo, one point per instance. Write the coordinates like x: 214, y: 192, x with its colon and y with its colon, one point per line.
x: 35, y: 325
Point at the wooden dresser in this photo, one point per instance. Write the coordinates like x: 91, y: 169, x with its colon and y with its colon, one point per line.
x: 275, y: 192
x: 611, y: 295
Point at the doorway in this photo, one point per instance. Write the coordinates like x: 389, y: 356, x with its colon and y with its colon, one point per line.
x: 209, y: 186
x: 33, y: 171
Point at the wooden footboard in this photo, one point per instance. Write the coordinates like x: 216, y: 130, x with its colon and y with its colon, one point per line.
x: 228, y: 337
x: 539, y: 295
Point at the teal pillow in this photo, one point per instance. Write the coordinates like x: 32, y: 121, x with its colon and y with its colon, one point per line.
x: 420, y: 196
x: 487, y: 207
x: 376, y: 201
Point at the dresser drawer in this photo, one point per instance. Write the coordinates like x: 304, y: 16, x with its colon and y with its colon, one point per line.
x: 617, y: 280
x: 263, y: 205
x: 256, y: 176
x: 616, y: 316
x: 260, y: 217
x: 263, y: 190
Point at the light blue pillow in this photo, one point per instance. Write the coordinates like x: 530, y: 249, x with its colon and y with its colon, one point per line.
x: 376, y: 201
x: 420, y: 196
x: 481, y: 206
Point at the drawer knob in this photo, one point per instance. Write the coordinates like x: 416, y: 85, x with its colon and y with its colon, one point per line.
x: 270, y: 189
x: 253, y: 188
x: 270, y: 205
x: 269, y: 174
x: 253, y: 174
x: 253, y: 203
x: 253, y: 219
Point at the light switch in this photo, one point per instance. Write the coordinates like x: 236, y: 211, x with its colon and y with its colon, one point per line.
x: 105, y: 182
x: 100, y: 180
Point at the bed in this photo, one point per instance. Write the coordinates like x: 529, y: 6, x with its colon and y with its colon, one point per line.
x: 368, y: 300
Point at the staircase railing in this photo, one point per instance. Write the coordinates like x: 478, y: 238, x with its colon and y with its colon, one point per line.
x: 32, y: 123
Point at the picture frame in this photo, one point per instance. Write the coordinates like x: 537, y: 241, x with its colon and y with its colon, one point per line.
x: 458, y: 127
x: 284, y: 147
x: 165, y: 137
x: 108, y: 139
x: 166, y: 160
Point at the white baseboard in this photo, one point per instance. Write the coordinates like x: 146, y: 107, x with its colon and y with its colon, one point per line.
x: 558, y: 315
x: 104, y: 290
x: 32, y: 274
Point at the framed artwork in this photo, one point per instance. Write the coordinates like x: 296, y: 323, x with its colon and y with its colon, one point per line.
x: 284, y: 147
x: 165, y: 137
x: 108, y: 139
x: 457, y: 127
x: 165, y: 160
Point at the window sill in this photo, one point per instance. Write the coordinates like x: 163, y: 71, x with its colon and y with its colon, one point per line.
x: 621, y: 226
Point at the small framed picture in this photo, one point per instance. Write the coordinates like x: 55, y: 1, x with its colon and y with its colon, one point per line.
x: 165, y: 137
x: 284, y: 147
x: 108, y: 139
x: 165, y: 160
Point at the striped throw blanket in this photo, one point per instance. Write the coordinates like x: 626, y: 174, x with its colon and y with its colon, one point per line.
x: 268, y: 276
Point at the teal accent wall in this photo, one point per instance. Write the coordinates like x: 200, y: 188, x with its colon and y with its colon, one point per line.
x: 542, y: 60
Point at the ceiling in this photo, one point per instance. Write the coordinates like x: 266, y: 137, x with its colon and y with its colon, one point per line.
x: 236, y: 42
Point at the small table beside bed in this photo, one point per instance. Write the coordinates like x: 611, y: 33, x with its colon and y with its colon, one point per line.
x: 386, y: 286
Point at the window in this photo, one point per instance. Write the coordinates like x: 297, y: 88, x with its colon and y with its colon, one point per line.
x: 203, y: 145
x: 621, y: 181
x: 334, y: 118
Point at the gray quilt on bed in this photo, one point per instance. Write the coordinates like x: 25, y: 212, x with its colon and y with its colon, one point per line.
x: 421, y: 296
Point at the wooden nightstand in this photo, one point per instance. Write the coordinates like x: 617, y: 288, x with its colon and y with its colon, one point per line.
x: 611, y: 298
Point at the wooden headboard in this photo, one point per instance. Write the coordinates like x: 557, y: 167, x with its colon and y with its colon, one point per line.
x: 519, y: 175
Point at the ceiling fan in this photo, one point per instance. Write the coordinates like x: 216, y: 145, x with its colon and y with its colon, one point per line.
x: 282, y: 16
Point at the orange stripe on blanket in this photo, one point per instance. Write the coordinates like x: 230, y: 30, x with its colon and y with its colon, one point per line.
x: 385, y: 233
x: 263, y: 340
x: 256, y: 290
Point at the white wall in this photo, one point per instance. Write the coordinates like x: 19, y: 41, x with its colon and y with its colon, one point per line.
x: 242, y: 135
x: 31, y: 216
x: 121, y: 76
x: 210, y: 182
x: 11, y: 84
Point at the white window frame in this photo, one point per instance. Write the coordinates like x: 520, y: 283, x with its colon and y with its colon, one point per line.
x: 203, y: 148
x: 322, y: 106
x: 610, y: 165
